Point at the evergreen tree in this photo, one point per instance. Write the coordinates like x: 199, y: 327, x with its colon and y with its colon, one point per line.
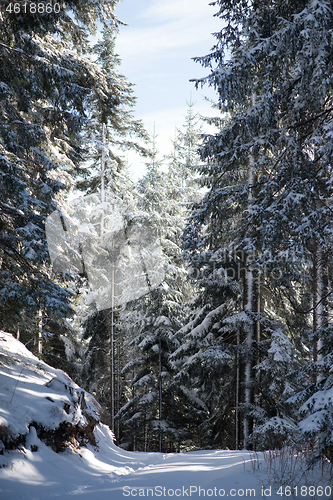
x: 214, y: 343
x: 275, y: 419
x: 150, y: 330
x: 103, y: 354
x: 112, y: 127
x: 48, y: 85
x: 158, y: 412
x: 316, y: 411
x: 268, y: 180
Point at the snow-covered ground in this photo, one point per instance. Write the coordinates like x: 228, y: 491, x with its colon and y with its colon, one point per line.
x: 31, y: 391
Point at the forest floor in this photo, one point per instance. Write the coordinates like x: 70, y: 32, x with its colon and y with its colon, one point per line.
x: 31, y: 391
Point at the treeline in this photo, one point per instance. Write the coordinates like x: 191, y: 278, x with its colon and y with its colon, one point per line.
x: 233, y: 347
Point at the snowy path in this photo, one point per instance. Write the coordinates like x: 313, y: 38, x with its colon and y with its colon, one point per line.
x: 112, y: 473
x: 31, y: 391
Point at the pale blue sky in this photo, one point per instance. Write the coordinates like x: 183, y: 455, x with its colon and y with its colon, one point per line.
x: 156, y: 50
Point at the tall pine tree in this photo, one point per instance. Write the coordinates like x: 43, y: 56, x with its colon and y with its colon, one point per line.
x: 266, y: 212
x: 48, y: 84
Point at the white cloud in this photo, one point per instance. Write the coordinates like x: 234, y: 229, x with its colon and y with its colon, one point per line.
x: 169, y: 26
x: 175, y: 9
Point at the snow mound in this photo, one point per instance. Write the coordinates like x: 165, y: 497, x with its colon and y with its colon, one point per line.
x: 33, y: 393
x: 40, y: 405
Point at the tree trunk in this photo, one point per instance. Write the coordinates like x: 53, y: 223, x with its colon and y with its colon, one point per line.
x: 250, y: 293
x: 112, y: 399
x: 160, y: 396
x: 237, y: 395
x: 145, y: 433
x: 320, y: 310
x: 40, y: 333
x: 250, y: 306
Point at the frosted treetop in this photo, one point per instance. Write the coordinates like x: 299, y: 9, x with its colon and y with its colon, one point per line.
x: 122, y: 258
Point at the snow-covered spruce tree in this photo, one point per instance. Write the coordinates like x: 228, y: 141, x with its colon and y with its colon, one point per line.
x: 317, y: 412
x: 213, y: 346
x: 279, y: 52
x: 47, y: 85
x: 185, y: 151
x: 275, y: 420
x: 183, y: 189
x: 111, y: 129
x: 105, y: 214
x: 157, y: 413
x: 292, y: 44
x: 147, y: 419
x: 102, y: 358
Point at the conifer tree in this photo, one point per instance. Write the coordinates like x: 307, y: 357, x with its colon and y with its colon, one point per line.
x: 158, y: 407
x: 151, y: 331
x: 280, y: 53
x: 47, y: 87
x: 111, y: 129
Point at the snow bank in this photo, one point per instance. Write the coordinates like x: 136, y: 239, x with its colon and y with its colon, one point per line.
x: 34, y: 396
x: 33, y: 393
